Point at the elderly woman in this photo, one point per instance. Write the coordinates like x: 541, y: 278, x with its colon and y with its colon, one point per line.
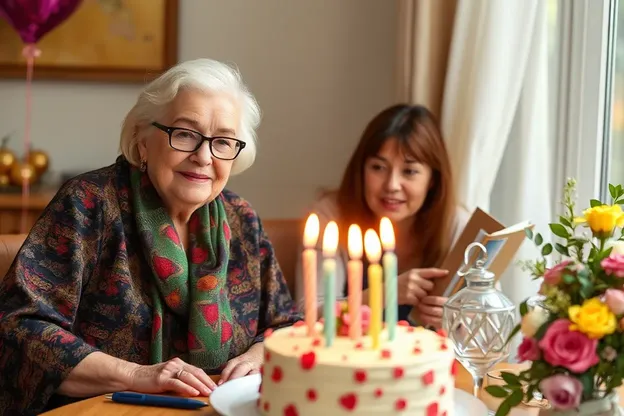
x: 147, y: 275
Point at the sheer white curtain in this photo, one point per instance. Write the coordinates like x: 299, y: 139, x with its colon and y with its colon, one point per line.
x: 494, y: 116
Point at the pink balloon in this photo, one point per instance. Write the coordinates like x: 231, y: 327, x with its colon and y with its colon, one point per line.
x: 32, y: 19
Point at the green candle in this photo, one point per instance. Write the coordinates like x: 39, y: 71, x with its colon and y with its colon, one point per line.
x: 330, y: 244
x: 329, y: 307
x: 389, y: 263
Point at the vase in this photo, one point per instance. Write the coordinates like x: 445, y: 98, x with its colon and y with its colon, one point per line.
x: 607, y: 406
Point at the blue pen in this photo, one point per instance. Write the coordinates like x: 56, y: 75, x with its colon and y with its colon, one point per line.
x: 153, y: 400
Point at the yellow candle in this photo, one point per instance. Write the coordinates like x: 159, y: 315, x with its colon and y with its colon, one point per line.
x: 355, y: 274
x: 372, y: 246
x: 310, y: 238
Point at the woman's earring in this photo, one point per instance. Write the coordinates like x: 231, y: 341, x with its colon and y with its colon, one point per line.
x: 143, y: 166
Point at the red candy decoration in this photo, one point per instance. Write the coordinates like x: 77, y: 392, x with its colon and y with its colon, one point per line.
x: 398, y: 372
x: 386, y: 354
x: 442, y: 390
x: 400, y: 404
x: 378, y: 392
x: 291, y: 410
x: 359, y: 346
x: 277, y: 374
x: 442, y: 333
x: 403, y: 323
x: 359, y: 376
x: 443, y: 346
x: 454, y: 368
x: 427, y: 378
x: 432, y: 409
x: 348, y: 401
x: 298, y: 324
x: 268, y: 333
x: 316, y: 342
x: 417, y: 350
x: 266, y: 406
x: 267, y: 356
x: 308, y: 360
x: 311, y: 395
x: 411, y: 329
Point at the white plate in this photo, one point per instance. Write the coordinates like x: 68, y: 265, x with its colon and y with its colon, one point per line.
x: 238, y: 398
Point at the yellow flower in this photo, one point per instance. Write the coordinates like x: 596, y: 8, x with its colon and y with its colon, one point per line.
x: 593, y: 318
x: 602, y: 219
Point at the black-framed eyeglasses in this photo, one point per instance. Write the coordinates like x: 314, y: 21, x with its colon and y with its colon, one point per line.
x: 186, y: 140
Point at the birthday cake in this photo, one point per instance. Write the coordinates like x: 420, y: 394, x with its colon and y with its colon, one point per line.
x: 411, y: 375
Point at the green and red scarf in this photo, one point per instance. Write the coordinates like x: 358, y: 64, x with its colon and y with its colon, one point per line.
x: 186, y: 287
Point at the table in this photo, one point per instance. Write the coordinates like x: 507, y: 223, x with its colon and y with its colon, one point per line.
x: 101, y: 406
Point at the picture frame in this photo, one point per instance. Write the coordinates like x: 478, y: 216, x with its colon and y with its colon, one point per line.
x: 103, y: 40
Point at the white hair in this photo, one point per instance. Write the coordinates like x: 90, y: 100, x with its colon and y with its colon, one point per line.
x: 201, y: 74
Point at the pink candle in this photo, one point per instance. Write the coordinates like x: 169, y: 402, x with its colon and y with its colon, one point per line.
x: 310, y: 237
x: 354, y: 275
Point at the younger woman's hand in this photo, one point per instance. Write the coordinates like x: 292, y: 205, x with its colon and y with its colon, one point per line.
x: 174, y: 375
x: 429, y: 311
x: 414, y: 284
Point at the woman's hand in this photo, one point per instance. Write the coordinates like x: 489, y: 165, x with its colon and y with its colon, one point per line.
x: 414, y: 284
x: 429, y: 311
x: 243, y: 365
x: 174, y: 375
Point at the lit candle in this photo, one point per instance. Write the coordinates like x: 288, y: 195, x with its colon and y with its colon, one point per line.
x: 389, y: 262
x: 373, y: 253
x: 330, y: 244
x: 355, y: 273
x: 310, y: 238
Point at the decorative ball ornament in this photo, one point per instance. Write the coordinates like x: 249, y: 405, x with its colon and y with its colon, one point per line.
x: 39, y: 160
x: 5, y: 180
x: 21, y: 172
x: 7, y: 157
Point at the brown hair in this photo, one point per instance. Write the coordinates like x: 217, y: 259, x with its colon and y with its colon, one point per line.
x: 419, y: 136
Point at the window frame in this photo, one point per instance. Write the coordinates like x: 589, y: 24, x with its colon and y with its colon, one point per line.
x: 581, y: 124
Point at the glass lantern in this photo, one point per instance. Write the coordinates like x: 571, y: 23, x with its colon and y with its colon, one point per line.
x: 479, y: 318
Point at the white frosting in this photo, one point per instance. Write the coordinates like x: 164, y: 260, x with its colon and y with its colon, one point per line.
x: 413, y: 375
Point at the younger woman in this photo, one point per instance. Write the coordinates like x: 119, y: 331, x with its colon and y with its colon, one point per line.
x: 399, y: 170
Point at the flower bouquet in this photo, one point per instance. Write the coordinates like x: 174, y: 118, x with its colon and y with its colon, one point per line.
x: 575, y: 338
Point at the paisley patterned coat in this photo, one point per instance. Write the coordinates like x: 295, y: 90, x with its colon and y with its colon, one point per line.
x: 80, y: 284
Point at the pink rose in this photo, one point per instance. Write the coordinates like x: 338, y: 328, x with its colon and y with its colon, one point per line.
x: 562, y: 391
x: 614, y: 265
x: 570, y: 349
x: 553, y: 275
x: 615, y: 301
x: 528, y: 350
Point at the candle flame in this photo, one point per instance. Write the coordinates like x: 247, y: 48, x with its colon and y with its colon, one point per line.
x: 330, y: 239
x: 355, y: 242
x: 372, y: 246
x: 311, y: 232
x: 387, y: 234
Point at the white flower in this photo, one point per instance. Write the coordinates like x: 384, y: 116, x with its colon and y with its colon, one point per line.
x: 618, y: 246
x: 532, y: 321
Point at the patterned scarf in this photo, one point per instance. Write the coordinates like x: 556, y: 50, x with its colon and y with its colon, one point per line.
x: 186, y: 289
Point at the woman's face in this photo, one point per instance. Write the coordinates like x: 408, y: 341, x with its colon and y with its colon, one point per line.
x: 186, y: 181
x: 395, y: 186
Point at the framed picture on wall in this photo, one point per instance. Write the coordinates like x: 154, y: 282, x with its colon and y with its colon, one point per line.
x: 104, y: 40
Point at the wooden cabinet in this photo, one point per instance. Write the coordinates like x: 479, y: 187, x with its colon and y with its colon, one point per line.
x: 13, y: 205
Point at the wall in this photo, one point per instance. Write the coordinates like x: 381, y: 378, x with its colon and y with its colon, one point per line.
x: 319, y: 69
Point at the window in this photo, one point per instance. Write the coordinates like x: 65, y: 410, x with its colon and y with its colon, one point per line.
x: 614, y: 158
